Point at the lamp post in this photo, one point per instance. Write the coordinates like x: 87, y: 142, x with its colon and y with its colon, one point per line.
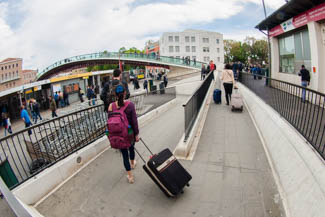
x: 269, y: 44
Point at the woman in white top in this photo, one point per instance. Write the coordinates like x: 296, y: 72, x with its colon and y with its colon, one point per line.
x: 228, y: 80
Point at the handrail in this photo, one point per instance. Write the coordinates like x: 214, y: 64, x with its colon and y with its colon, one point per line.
x: 108, y: 55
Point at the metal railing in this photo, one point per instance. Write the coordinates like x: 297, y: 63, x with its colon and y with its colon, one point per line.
x: 193, y: 105
x: 123, y: 56
x: 307, y: 116
x: 23, y: 155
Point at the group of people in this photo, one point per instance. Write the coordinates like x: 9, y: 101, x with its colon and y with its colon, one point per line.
x: 206, y: 70
x: 61, y: 99
x: 92, y: 92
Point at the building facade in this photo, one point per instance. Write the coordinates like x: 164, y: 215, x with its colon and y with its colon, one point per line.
x: 10, y: 73
x: 28, y: 76
x: 296, y: 40
x: 195, y: 44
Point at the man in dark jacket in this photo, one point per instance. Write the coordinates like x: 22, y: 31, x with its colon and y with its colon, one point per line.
x: 107, y: 94
x: 305, y: 79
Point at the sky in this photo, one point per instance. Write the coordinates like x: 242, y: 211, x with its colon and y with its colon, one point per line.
x: 45, y: 31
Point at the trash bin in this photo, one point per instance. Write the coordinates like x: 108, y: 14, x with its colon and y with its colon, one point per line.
x: 153, y: 89
x: 7, y: 174
x: 162, y: 87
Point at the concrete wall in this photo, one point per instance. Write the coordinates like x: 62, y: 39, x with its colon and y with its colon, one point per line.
x: 297, y: 167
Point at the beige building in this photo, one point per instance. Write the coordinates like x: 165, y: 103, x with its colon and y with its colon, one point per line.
x: 10, y: 73
x: 29, y: 76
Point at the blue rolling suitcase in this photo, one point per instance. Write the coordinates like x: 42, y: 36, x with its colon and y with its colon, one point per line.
x: 217, y: 96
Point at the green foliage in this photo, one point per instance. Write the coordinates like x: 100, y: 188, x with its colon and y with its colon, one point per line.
x: 251, y: 50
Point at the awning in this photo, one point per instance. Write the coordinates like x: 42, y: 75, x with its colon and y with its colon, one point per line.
x: 287, y: 11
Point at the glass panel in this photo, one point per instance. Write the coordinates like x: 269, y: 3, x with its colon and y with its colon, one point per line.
x: 298, y: 46
x: 187, y: 38
x: 192, y: 39
x: 306, y: 44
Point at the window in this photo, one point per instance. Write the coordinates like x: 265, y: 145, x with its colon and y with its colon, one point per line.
x: 294, y: 52
x: 16, y: 64
x: 205, y: 40
x: 2, y: 77
x: 187, y: 38
x: 218, y: 59
x: 170, y: 38
x: 193, y: 49
x: 217, y: 40
x: 171, y: 49
x: 17, y: 73
x: 14, y: 83
x: 9, y: 66
x: 176, y: 38
x: 177, y: 49
x: 9, y: 75
x: 206, y: 49
x: 206, y: 59
x: 5, y: 67
x: 187, y: 48
x: 13, y: 65
x: 2, y: 68
x: 193, y: 39
x: 218, y: 50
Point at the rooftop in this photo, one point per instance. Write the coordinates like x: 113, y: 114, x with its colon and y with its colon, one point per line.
x: 10, y: 60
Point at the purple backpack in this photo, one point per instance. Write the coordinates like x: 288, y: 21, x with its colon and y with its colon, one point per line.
x: 117, y: 124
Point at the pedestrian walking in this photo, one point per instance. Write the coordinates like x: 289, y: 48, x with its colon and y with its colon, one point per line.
x: 66, y: 98
x: 227, y: 77
x: 61, y: 99
x: 80, y: 94
x: 89, y: 94
x: 24, y: 115
x: 128, y: 107
x: 165, y: 80
x: 36, y: 110
x: 107, y: 94
x: 145, y: 85
x: 56, y: 98
x: 53, y: 107
x: 93, y: 96
x: 305, y: 80
x: 6, y: 123
x: 203, y: 69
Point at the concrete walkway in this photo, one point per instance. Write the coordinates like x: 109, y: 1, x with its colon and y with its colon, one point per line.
x: 231, y: 175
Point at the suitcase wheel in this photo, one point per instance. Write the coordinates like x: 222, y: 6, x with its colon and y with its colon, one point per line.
x: 182, y: 192
x: 241, y: 108
x: 188, y: 184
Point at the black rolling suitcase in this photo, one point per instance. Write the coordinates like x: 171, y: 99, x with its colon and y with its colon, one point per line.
x: 165, y: 170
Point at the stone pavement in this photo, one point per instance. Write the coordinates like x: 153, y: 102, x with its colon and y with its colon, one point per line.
x: 231, y: 175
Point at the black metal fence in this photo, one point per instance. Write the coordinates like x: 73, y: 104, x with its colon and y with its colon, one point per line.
x: 193, y: 105
x: 306, y: 114
x: 23, y: 155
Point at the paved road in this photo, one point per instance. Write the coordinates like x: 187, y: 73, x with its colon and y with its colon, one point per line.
x: 231, y: 175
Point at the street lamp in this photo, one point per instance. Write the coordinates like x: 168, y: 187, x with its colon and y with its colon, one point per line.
x: 268, y: 42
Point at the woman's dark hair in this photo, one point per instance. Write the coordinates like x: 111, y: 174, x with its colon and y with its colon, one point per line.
x: 119, y: 92
x: 228, y: 66
x: 120, y: 99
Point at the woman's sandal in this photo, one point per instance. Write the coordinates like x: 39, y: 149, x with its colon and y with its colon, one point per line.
x: 130, y: 179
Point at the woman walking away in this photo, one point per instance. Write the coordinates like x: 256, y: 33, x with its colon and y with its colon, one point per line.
x: 228, y: 80
x: 123, y: 131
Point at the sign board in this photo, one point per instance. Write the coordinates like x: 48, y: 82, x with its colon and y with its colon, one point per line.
x: 315, y: 14
x: 37, y: 88
x: 56, y: 88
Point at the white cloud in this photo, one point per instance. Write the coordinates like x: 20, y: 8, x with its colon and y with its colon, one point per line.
x: 55, y: 29
x: 240, y: 35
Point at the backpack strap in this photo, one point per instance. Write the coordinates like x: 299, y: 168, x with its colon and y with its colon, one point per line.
x: 114, y: 107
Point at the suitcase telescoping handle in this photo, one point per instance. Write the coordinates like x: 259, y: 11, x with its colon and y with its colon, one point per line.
x: 147, y: 149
